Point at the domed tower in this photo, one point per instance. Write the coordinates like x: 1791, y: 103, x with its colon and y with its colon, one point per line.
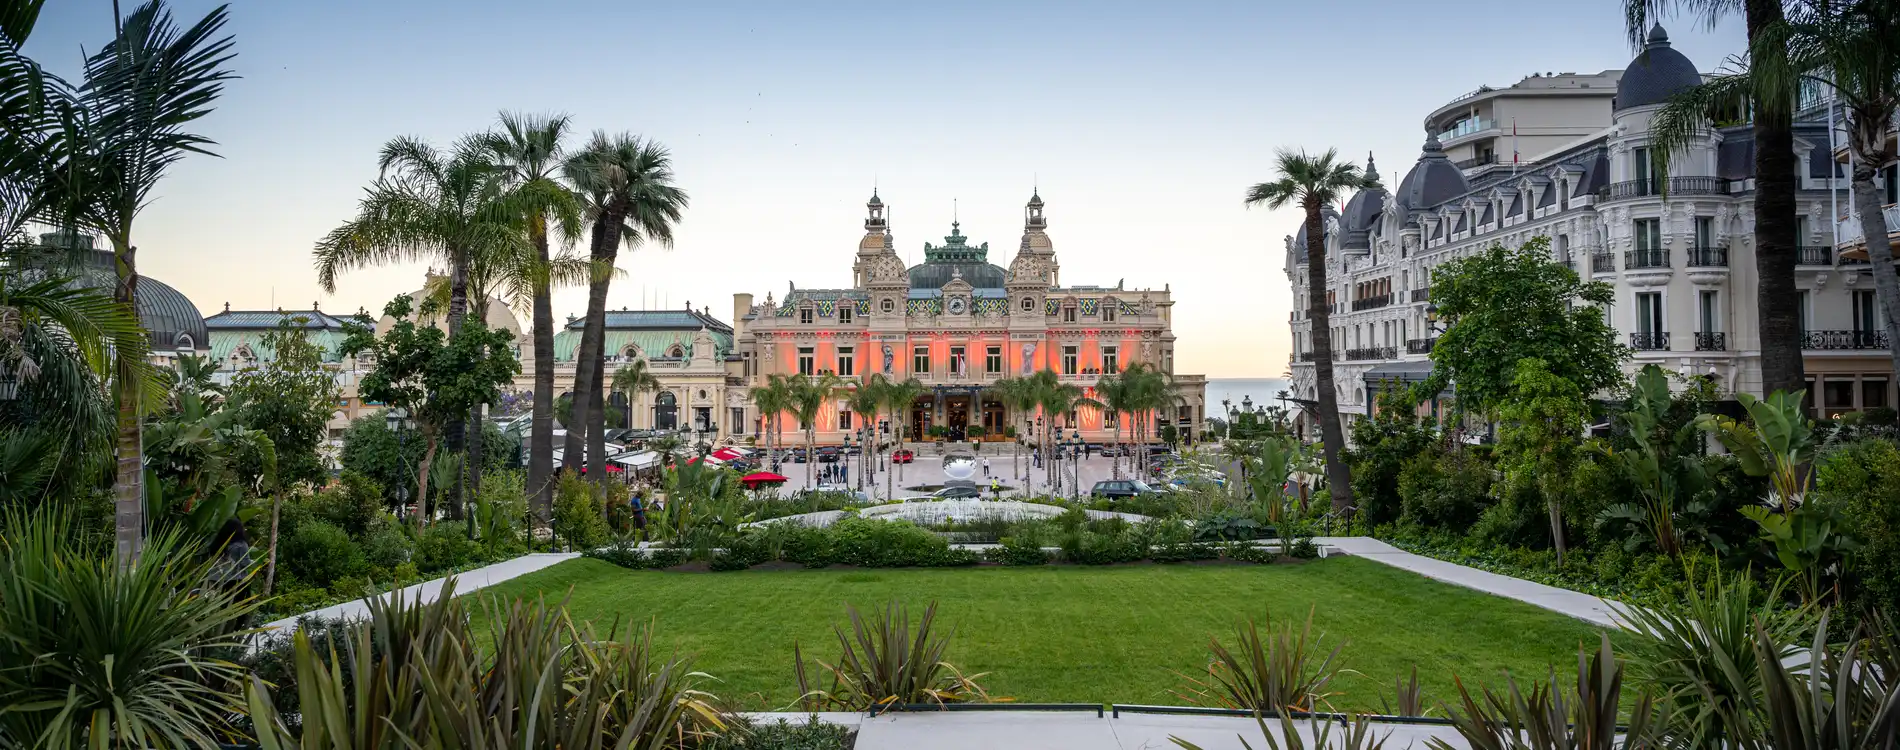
x: 1432, y: 181
x: 1362, y: 213
x: 1035, y: 270
x: 878, y: 269
x: 1657, y: 73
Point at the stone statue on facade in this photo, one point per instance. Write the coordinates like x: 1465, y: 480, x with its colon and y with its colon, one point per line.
x: 887, y: 359
x: 1029, y: 357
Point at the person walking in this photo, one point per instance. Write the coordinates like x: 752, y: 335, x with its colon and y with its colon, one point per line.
x: 986, y: 466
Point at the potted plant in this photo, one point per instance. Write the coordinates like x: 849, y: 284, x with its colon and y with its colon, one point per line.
x: 975, y: 433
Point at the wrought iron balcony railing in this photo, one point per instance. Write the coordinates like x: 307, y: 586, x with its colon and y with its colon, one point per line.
x: 1372, y: 303
x: 1711, y: 342
x: 1708, y: 257
x: 1420, y: 346
x: 1813, y: 255
x: 1649, y: 341
x: 1602, y: 263
x: 1833, y: 340
x: 1372, y: 352
x: 1652, y: 258
x: 1422, y: 295
x: 1673, y: 186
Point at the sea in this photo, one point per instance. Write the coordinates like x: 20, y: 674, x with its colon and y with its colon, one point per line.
x: 1263, y: 390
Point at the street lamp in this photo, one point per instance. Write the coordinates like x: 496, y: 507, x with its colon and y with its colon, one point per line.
x: 1075, y: 460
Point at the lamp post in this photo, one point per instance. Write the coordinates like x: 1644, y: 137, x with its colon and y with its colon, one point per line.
x: 1041, y: 450
x: 1075, y: 460
x: 397, y: 420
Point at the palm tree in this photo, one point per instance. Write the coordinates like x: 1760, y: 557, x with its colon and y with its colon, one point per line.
x: 1850, y: 48
x: 528, y: 152
x: 1314, y: 183
x: 634, y: 379
x: 772, y: 399
x: 1116, y: 401
x: 89, y: 157
x: 808, y: 395
x: 898, y: 398
x: 1057, y: 399
x: 626, y: 188
x: 1776, y: 247
x: 864, y: 401
x: 433, y: 205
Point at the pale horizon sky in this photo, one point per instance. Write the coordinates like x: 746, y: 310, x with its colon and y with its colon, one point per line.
x: 1141, y: 123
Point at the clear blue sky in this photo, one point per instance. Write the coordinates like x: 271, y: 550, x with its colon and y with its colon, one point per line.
x: 1143, y: 122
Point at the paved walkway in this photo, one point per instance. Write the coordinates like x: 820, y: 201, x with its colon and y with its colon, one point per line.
x: 428, y: 591
x: 1049, y: 730
x: 1593, y: 609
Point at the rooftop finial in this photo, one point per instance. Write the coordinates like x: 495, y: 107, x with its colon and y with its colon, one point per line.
x: 1372, y: 171
x: 1658, y: 37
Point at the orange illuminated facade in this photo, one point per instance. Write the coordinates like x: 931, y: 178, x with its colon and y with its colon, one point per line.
x: 958, y: 323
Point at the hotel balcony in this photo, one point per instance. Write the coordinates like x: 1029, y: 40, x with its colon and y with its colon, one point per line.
x: 1673, y: 186
x: 1602, y: 263
x: 1708, y: 257
x: 1844, y: 340
x: 1853, y: 245
x: 1649, y: 341
x: 1815, y: 255
x: 1422, y: 295
x: 1711, y: 342
x: 1371, y: 303
x: 1653, y: 258
x: 1372, y: 352
x: 1420, y: 346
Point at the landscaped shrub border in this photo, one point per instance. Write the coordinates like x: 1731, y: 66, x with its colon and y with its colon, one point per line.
x: 1012, y: 552
x: 1610, y: 573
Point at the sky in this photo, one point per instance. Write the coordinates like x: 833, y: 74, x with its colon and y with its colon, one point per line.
x: 1142, y: 125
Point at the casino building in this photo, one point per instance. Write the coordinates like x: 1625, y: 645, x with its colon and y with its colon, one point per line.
x: 958, y: 323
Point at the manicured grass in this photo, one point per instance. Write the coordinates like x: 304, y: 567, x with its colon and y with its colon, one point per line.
x: 1076, y: 634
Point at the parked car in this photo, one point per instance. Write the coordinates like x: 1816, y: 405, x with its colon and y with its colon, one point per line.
x: 902, y: 457
x: 957, y: 493
x: 1113, y: 451
x: 798, y: 457
x: 828, y: 454
x: 1119, y: 488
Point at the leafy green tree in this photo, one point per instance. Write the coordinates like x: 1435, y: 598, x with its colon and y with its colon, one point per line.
x: 437, y: 378
x: 808, y: 396
x: 626, y: 188
x: 1540, y: 438
x: 1313, y: 183
x: 1382, y: 444
x: 632, y: 380
x: 898, y: 398
x: 290, y: 398
x: 390, y: 460
x: 1507, y: 305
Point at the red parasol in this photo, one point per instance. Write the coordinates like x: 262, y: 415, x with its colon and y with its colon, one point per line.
x: 761, y: 477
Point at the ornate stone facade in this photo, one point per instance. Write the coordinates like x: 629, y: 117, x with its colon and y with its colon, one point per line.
x: 958, y: 323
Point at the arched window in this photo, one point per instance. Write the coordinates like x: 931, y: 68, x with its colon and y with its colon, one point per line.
x: 183, y: 343
x: 631, y: 352
x: 676, y: 351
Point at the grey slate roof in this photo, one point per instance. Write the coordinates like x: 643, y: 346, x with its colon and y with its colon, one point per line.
x: 166, y: 313
x: 1657, y: 73
x: 269, y: 319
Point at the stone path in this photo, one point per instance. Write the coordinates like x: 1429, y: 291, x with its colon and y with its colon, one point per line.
x: 1593, y: 609
x: 1084, y: 731
x: 428, y: 591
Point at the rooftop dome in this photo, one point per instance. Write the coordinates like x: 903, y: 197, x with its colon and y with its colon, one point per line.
x: 1433, y: 180
x: 170, y: 319
x: 956, y: 257
x: 1657, y: 73
x: 1362, y: 212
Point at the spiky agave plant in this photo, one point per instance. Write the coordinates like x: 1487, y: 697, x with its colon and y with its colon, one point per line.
x: 1552, y: 716
x: 885, y: 662
x: 1289, y: 670
x: 414, y: 676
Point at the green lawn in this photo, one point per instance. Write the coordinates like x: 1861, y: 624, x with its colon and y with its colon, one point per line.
x: 1076, y: 634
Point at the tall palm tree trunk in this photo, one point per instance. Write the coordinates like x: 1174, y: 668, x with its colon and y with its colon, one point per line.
x: 1115, y: 461
x: 1338, y: 477
x: 128, y: 486
x: 597, y: 414
x: 1776, y: 246
x: 456, y: 438
x: 586, y: 387
x: 128, y: 483
x: 541, y: 424
x: 1873, y: 227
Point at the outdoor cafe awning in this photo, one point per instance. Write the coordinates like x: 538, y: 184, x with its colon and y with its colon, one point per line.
x: 636, y: 459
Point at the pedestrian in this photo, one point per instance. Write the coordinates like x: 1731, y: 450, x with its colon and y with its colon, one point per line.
x: 844, y: 474
x: 986, y: 466
x: 996, y: 489
x: 639, y: 509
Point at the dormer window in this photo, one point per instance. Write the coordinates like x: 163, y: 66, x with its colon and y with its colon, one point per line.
x: 630, y: 353
x: 1108, y: 311
x: 1068, y: 313
x: 804, y: 315
x: 844, y: 311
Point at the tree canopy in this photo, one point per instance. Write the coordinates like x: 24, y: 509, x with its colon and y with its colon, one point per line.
x: 1506, y: 305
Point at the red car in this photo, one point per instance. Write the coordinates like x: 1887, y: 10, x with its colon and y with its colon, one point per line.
x: 902, y: 457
